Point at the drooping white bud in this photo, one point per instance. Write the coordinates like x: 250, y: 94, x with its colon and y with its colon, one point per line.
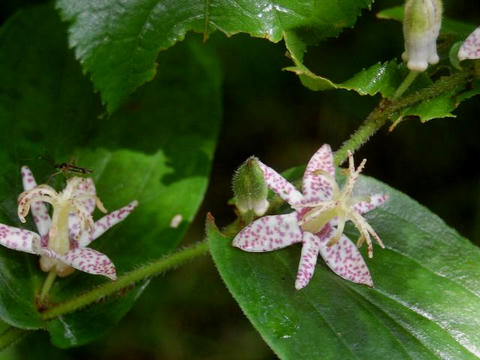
x: 250, y: 188
x: 421, y: 26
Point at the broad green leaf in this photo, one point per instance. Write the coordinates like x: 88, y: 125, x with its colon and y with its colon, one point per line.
x: 443, y: 106
x: 425, y: 303
x: 457, y: 29
x: 118, y: 42
x: 383, y: 78
x: 157, y: 149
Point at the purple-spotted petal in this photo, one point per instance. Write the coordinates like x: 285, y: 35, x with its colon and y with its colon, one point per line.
x: 19, y: 239
x: 280, y: 185
x: 375, y: 200
x: 316, y: 187
x: 107, y: 222
x: 27, y: 179
x: 74, y: 231
x: 86, y: 188
x: 344, y: 259
x: 308, y: 260
x: 87, y: 260
x: 269, y: 233
x: 38, y: 208
x: 470, y: 48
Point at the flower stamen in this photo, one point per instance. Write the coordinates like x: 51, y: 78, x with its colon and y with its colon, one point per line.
x: 339, y: 231
x: 43, y: 193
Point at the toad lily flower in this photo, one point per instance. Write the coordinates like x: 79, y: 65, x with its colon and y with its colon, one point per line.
x: 62, y: 240
x: 318, y: 221
x: 470, y: 48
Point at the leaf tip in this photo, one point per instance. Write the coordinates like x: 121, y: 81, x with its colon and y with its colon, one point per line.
x: 210, y: 223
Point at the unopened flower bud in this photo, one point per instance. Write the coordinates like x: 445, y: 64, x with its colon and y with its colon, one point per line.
x: 250, y: 188
x: 421, y: 26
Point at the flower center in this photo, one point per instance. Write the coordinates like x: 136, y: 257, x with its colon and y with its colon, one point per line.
x: 78, y: 198
x: 340, y: 208
x: 316, y: 218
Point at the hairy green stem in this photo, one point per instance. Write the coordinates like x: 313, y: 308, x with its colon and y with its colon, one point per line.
x: 126, y: 280
x: 9, y: 336
x: 388, y: 108
x: 369, y: 127
x: 47, y: 285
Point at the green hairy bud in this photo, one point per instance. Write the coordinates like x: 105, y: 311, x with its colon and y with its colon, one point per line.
x: 250, y: 188
x: 421, y: 26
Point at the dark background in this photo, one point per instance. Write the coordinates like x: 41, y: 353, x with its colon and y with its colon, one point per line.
x: 188, y: 313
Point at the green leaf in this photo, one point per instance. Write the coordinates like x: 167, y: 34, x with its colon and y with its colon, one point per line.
x: 383, y: 78
x: 425, y: 303
x: 118, y: 42
x: 442, y: 106
x: 456, y: 29
x: 158, y: 149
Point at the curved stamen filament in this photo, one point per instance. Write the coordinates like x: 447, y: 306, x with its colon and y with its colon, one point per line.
x: 38, y: 193
x: 374, y: 234
x: 100, y: 205
x: 364, y: 235
x: 339, y: 231
x: 98, y: 202
x: 86, y: 220
x: 360, y: 241
x: 353, y: 176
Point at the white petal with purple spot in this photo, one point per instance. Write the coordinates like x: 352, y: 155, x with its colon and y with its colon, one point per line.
x: 89, y: 261
x: 18, y: 239
x: 470, y: 48
x: 38, y: 208
x: 86, y: 188
x: 269, y: 233
x: 107, y: 222
x: 316, y: 187
x: 344, y: 259
x: 280, y: 185
x: 75, y: 234
x: 308, y: 260
x: 375, y: 200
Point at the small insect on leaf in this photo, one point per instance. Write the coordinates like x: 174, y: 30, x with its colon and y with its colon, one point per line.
x: 68, y: 167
